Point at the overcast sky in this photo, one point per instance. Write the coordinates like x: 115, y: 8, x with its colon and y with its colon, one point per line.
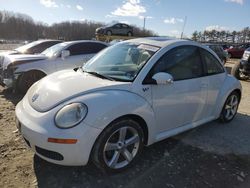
x: 165, y: 17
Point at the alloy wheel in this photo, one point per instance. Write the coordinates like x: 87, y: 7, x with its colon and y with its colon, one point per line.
x: 231, y: 107
x: 121, y: 147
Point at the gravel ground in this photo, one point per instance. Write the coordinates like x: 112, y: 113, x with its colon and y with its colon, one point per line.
x: 213, y: 155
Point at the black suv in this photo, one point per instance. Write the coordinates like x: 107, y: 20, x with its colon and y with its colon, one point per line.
x: 115, y: 29
x: 241, y: 69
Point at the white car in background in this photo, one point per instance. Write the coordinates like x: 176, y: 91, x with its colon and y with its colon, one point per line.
x: 35, y: 47
x: 131, y: 94
x: 21, y: 71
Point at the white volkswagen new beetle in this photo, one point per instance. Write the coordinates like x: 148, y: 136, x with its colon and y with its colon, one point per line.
x: 132, y: 94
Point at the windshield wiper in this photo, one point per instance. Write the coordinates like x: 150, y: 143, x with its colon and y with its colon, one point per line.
x: 99, y: 75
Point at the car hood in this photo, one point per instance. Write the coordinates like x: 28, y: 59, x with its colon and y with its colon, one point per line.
x: 8, y: 52
x: 22, y: 58
x: 65, y: 85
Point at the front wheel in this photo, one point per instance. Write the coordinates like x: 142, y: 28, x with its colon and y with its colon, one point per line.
x: 230, y: 107
x: 27, y: 79
x: 118, y: 146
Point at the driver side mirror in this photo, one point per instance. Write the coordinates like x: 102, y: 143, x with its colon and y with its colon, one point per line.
x: 65, y: 53
x: 163, y: 78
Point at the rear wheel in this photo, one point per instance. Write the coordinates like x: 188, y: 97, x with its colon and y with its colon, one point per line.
x: 109, y: 33
x: 130, y: 34
x: 118, y: 146
x: 230, y: 107
x: 27, y: 79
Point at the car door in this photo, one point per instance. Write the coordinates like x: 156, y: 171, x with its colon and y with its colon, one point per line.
x: 79, y: 53
x: 216, y: 76
x: 125, y: 29
x: 116, y: 29
x: 183, y: 101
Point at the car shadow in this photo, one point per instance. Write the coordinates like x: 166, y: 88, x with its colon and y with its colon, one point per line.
x: 173, y: 162
x: 51, y: 175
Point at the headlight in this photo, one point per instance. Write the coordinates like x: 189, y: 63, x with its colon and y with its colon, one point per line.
x: 70, y: 115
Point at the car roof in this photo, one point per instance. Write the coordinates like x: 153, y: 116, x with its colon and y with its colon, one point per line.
x: 160, y: 41
x: 83, y: 41
x: 47, y: 40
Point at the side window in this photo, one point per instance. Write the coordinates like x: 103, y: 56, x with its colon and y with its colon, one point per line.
x: 85, y: 48
x: 213, y: 66
x: 124, y: 26
x: 181, y: 62
x: 117, y: 26
x: 92, y: 48
x: 43, y: 46
x: 76, y: 49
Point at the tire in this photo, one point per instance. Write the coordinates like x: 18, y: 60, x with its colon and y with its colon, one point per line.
x: 120, y: 154
x: 236, y: 72
x: 27, y: 79
x: 230, y: 107
x: 130, y: 34
x: 109, y: 33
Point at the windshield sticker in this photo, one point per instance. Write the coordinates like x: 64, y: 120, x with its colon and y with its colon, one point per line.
x: 148, y: 47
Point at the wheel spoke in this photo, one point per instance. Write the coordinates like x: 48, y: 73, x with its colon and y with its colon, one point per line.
x: 122, y: 134
x: 235, y: 103
x: 228, y: 113
x: 233, y: 110
x: 114, y: 160
x: 233, y: 98
x: 110, y: 147
x: 128, y: 156
x: 132, y: 140
x: 227, y: 106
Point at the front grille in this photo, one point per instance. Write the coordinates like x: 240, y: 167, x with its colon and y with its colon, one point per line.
x: 49, y: 154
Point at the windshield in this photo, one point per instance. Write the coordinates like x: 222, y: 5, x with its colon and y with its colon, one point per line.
x: 24, y: 48
x: 54, y: 50
x: 122, y: 61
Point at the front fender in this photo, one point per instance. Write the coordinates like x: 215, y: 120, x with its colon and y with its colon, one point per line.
x: 106, y: 106
x: 230, y: 84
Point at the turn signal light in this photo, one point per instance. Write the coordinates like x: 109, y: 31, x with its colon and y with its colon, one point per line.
x: 62, y: 141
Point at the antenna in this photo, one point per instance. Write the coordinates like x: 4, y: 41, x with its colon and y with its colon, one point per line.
x: 184, y: 24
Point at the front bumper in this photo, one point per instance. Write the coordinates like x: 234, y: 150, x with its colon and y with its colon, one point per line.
x: 245, y: 67
x: 37, y: 127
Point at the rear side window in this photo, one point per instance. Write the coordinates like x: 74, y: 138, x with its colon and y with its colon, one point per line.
x: 94, y: 48
x: 85, y: 48
x: 182, y: 63
x: 213, y: 66
x: 41, y: 47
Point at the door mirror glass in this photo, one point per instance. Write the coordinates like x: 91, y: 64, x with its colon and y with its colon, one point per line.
x: 65, y: 53
x: 163, y: 78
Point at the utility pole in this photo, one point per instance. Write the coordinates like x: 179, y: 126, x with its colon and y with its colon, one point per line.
x: 144, y: 23
x: 184, y: 24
